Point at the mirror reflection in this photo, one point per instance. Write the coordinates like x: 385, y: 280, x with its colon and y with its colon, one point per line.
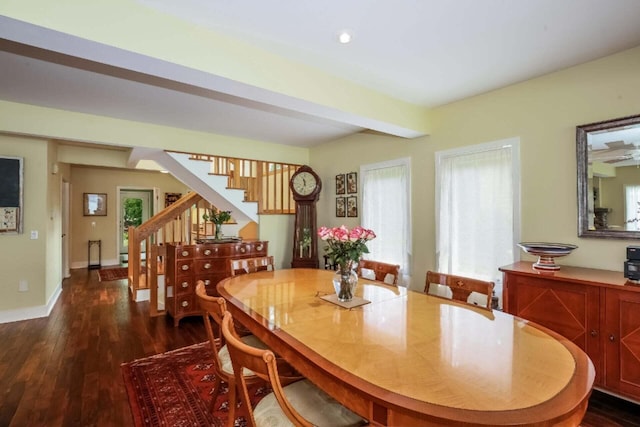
x: 609, y: 178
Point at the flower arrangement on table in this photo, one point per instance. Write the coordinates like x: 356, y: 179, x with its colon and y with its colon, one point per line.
x: 344, y: 248
x: 218, y: 217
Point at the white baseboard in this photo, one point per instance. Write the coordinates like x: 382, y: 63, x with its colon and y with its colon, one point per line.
x: 143, y: 295
x: 26, y: 313
x: 106, y: 263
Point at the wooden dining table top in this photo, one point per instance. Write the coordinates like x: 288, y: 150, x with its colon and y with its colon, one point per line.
x: 408, y: 354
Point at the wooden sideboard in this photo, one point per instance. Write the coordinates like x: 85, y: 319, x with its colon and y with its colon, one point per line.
x: 598, y: 310
x: 209, y: 262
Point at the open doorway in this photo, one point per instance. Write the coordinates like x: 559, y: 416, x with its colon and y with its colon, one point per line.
x: 136, y: 206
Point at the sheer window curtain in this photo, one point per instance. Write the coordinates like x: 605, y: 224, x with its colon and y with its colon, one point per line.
x: 632, y: 208
x: 386, y: 210
x: 477, y: 210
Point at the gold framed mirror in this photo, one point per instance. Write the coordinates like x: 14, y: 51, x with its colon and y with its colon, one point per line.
x: 608, y: 156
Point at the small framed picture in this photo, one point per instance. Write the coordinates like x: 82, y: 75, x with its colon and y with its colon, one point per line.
x: 94, y: 204
x: 340, y: 206
x: 352, y: 182
x: 340, y: 187
x: 352, y: 206
x: 171, y: 198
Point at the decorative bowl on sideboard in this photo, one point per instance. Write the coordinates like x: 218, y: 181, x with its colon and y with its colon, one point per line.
x: 546, y: 253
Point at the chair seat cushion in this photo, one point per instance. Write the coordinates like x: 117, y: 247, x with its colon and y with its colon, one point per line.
x: 311, y: 402
x: 225, y: 358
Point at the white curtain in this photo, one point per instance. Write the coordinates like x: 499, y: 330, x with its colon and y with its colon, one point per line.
x: 632, y: 208
x: 386, y: 210
x: 475, y: 217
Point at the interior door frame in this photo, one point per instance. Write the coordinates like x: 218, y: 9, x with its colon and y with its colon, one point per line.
x: 154, y: 208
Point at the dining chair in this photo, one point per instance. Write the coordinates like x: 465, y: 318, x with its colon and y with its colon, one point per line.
x: 250, y: 265
x: 461, y: 287
x: 213, y: 310
x: 298, y: 402
x: 378, y: 271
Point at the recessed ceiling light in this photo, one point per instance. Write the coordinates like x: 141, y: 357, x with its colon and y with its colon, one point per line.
x: 344, y: 37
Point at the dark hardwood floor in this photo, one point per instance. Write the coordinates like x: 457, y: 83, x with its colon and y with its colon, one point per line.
x: 64, y: 370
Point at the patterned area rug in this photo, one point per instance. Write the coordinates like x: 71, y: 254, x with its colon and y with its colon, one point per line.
x: 108, y: 274
x: 174, y: 389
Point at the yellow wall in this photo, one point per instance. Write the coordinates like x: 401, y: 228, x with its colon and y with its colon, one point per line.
x: 543, y: 113
x: 107, y: 180
x: 22, y: 258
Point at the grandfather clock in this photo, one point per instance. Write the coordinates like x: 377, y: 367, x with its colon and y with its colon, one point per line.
x: 305, y: 186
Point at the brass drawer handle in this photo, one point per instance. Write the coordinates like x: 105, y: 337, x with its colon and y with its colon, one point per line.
x: 207, y: 251
x: 259, y: 247
x: 185, y: 267
x: 185, y: 284
x: 243, y: 250
x: 185, y: 253
x: 207, y: 282
x: 207, y: 266
x: 594, y: 333
x: 185, y: 303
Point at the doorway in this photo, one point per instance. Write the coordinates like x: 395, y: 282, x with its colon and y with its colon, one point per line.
x: 136, y: 206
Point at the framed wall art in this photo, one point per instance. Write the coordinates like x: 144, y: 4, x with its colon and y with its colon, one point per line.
x: 352, y: 206
x: 340, y: 207
x: 11, y: 182
x: 352, y: 182
x: 171, y: 198
x: 340, y: 186
x: 94, y: 204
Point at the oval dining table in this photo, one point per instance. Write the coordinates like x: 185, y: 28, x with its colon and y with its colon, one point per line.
x: 410, y: 359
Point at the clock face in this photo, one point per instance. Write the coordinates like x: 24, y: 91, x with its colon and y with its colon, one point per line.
x: 304, y: 183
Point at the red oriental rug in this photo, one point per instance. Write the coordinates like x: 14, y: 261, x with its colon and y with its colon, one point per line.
x: 108, y: 274
x: 174, y: 389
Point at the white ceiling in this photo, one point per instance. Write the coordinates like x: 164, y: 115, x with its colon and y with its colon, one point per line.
x: 427, y: 52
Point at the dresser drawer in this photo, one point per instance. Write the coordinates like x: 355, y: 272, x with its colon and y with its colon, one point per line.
x: 184, y: 267
x: 184, y: 286
x: 201, y: 266
x: 184, y: 252
x: 213, y: 251
x: 185, y: 304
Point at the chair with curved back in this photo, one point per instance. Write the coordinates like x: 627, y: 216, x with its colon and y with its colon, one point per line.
x: 299, y: 403
x: 461, y: 287
x: 250, y: 265
x: 213, y: 310
x: 379, y: 271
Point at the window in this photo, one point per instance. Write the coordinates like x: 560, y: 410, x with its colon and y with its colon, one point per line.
x: 478, y: 209
x: 632, y: 208
x: 386, y: 210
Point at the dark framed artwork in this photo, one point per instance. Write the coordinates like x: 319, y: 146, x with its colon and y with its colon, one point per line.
x: 340, y: 185
x: 11, y: 183
x: 340, y: 207
x: 352, y: 206
x: 94, y: 204
x: 352, y: 182
x: 171, y: 198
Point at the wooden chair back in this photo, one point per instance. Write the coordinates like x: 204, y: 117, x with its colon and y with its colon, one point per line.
x: 250, y: 265
x: 213, y: 308
x: 461, y: 287
x: 264, y: 364
x: 381, y: 271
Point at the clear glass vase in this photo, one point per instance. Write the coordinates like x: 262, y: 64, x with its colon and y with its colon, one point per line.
x: 344, y: 282
x: 218, y: 235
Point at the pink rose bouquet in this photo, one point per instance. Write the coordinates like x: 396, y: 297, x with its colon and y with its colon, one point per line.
x: 344, y: 246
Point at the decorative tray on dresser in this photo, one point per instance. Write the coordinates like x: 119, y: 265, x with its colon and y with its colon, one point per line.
x: 599, y: 310
x: 209, y: 262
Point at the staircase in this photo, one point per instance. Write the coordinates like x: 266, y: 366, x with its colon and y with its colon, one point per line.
x: 247, y: 188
